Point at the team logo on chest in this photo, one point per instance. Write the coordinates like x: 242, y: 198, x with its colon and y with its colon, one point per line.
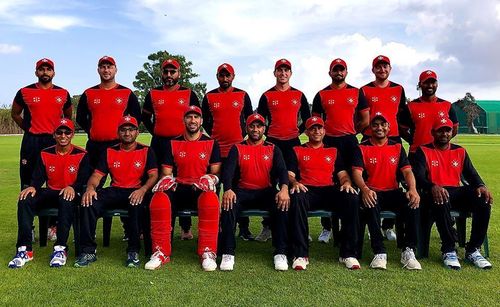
x: 331, y: 101
x: 350, y: 100
x: 435, y: 163
x: 235, y: 104
x: 266, y: 157
x: 216, y: 105
x: 52, y: 168
x: 161, y: 101
x: 306, y: 158
x: 202, y: 155
x: 441, y: 114
x: 119, y: 100
x: 182, y: 154
x: 274, y: 102
x: 328, y: 159
x: 246, y: 157
x: 96, y: 101
x: 374, y: 99
x: 72, y: 169
x: 36, y: 99
x: 294, y: 102
x: 59, y: 99
x: 421, y: 115
x: 393, y: 160
x: 455, y: 163
x: 116, y: 164
x: 372, y: 160
x: 137, y: 164
x: 394, y: 98
x: 181, y: 101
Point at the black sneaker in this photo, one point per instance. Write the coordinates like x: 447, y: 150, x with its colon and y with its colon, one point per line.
x: 246, y: 235
x: 132, y: 260
x: 84, y: 260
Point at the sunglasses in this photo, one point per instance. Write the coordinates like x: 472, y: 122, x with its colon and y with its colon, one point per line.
x: 61, y: 132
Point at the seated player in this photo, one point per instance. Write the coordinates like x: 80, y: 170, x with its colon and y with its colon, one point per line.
x: 133, y: 170
x: 377, y: 163
x: 312, y: 187
x: 439, y: 168
x: 64, y: 168
x: 251, y: 172
x: 194, y: 159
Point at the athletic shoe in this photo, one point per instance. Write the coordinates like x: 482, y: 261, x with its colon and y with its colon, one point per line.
x: 390, y: 234
x: 264, y: 235
x: 409, y: 261
x: 156, y: 261
x: 325, y: 236
x: 246, y: 235
x: 379, y: 262
x: 186, y: 235
x: 280, y: 262
x: 21, y: 258
x: 132, y: 260
x: 450, y: 260
x: 85, y: 260
x: 52, y: 233
x: 208, y: 262
x: 125, y: 238
x: 58, y: 257
x: 478, y: 260
x: 350, y: 262
x: 300, y: 263
x: 227, y: 262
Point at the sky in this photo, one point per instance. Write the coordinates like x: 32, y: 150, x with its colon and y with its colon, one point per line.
x: 458, y: 39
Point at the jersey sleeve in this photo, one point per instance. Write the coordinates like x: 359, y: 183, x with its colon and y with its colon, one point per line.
x: 305, y: 113
x: 83, y: 174
x: 83, y: 114
x: 167, y: 158
x: 420, y: 170
x: 102, y: 165
x: 247, y: 111
x: 263, y: 108
x: 229, y: 169
x: 362, y: 103
x: 39, y: 176
x: 293, y: 164
x: 133, y: 107
x: 208, y: 119
x: 357, y: 159
x: 19, y: 100
x: 193, y: 99
x: 470, y: 174
x: 215, y: 155
x: 317, y: 108
x: 151, y: 164
x: 68, y: 104
x: 339, y: 162
x: 452, y: 115
x: 403, y: 159
x: 279, y: 171
x: 147, y: 113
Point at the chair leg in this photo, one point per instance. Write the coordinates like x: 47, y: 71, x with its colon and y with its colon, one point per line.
x: 43, y: 225
x: 106, y: 230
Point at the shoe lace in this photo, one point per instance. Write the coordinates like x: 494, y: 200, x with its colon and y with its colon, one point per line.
x: 58, y: 254
x: 408, y: 254
x: 226, y: 258
x: 476, y: 256
x: 380, y: 257
x: 451, y: 256
x: 210, y: 255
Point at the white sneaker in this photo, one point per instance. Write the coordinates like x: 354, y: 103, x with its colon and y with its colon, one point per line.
x: 379, y: 262
x: 325, y: 236
x: 156, y: 261
x: 52, y: 233
x: 450, y: 260
x: 21, y: 258
x: 478, y: 260
x: 409, y: 261
x: 264, y: 235
x: 280, y: 262
x: 208, y: 262
x: 350, y: 262
x: 300, y: 263
x: 390, y: 234
x: 227, y: 262
x: 58, y: 257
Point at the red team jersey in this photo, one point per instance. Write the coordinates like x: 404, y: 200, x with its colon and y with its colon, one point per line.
x: 283, y: 111
x: 100, y: 111
x: 419, y: 116
x: 42, y: 107
x: 224, y: 115
x: 254, y: 167
x: 167, y: 108
x: 60, y: 171
x: 339, y: 107
x: 380, y: 164
x: 190, y: 159
x: 389, y: 100
x: 128, y: 169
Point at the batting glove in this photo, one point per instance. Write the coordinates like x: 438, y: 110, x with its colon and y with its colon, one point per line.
x: 207, y: 183
x: 166, y: 183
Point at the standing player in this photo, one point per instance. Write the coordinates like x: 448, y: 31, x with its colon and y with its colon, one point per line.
x: 133, y: 170
x: 224, y: 112
x: 41, y: 104
x: 439, y: 168
x: 194, y: 159
x: 64, y: 168
x: 418, y: 116
x: 386, y: 97
x: 163, y: 112
x: 345, y: 111
x: 311, y: 174
x: 376, y: 166
x: 252, y: 170
x: 286, y: 110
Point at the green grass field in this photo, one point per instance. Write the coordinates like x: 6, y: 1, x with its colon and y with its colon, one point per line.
x: 254, y: 281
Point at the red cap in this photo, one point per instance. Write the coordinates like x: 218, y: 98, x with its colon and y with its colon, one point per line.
x: 314, y: 120
x: 44, y: 61
x: 381, y: 58
x: 65, y: 122
x: 227, y: 67
x: 442, y: 122
x: 254, y: 118
x: 282, y: 62
x: 193, y: 109
x: 128, y: 120
x: 338, y: 61
x: 376, y: 115
x: 428, y: 74
x: 106, y: 59
x: 171, y: 62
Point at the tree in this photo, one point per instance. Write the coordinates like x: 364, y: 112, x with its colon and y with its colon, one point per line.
x: 471, y: 109
x: 150, y: 76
